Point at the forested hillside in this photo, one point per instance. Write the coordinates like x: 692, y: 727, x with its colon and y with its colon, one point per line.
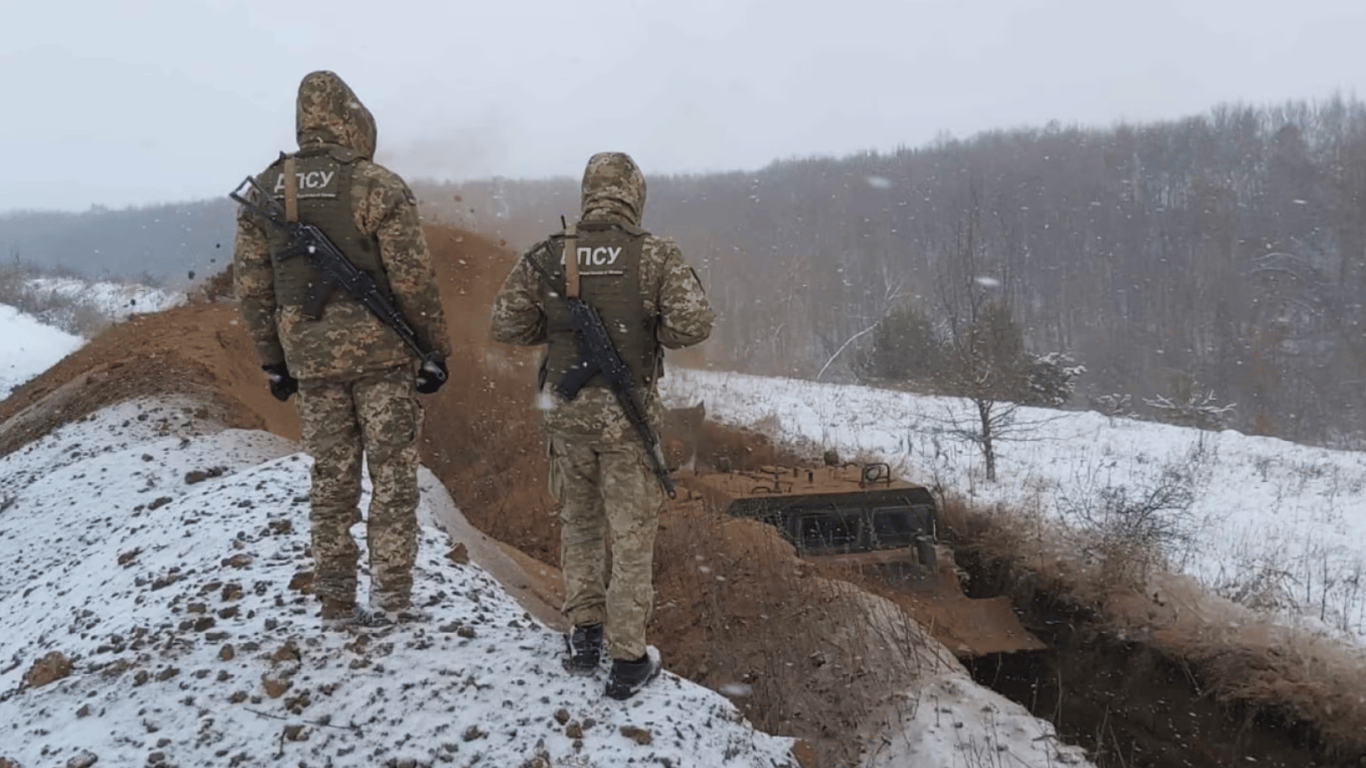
x: 161, y: 244
x: 1219, y: 259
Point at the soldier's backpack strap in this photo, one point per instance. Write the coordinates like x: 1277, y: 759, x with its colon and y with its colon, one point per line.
x: 571, y: 260
x: 291, y: 190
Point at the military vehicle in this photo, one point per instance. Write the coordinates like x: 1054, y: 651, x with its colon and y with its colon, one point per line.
x: 849, y: 509
x: 861, y: 517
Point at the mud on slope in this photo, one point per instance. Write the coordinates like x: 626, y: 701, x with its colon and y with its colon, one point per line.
x: 737, y: 611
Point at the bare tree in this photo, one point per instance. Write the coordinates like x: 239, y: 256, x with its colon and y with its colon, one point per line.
x: 985, y: 360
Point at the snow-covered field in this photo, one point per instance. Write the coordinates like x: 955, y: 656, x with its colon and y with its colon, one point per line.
x: 27, y: 347
x: 1272, y: 524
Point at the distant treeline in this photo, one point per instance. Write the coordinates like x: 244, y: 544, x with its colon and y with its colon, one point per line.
x: 156, y: 244
x: 1220, y: 257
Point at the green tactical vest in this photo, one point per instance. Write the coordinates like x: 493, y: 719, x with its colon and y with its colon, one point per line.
x: 324, y: 176
x: 609, y: 280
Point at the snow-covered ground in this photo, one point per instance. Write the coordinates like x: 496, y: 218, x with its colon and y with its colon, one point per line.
x: 27, y: 348
x: 1271, y: 524
x: 162, y: 558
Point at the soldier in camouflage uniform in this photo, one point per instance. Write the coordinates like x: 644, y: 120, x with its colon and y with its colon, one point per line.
x: 648, y: 298
x: 355, y: 378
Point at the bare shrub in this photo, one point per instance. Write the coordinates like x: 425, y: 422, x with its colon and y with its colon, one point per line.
x: 1131, y: 528
x: 1116, y: 405
x: 1127, y: 529
x: 74, y: 317
x: 14, y: 287
x: 1260, y: 586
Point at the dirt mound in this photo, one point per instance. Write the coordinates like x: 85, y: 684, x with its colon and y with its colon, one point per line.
x: 799, y: 653
x: 195, y: 349
x: 482, y: 436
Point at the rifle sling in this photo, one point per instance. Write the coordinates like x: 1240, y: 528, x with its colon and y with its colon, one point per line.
x: 571, y: 260
x: 291, y: 191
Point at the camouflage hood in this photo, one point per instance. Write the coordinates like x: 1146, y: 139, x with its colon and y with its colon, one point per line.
x: 328, y: 112
x: 613, y: 188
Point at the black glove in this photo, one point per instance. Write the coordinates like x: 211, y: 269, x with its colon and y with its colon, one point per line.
x: 282, y: 385
x: 431, y: 375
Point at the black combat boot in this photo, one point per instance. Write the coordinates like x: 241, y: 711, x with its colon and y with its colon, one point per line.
x: 584, y: 646
x: 628, y: 677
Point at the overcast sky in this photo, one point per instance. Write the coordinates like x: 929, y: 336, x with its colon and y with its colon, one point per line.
x: 143, y: 101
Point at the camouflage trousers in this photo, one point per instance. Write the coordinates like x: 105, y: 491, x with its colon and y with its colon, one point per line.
x: 607, y: 491
x: 375, y: 417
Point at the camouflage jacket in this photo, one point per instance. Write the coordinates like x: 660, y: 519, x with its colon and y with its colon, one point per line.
x: 348, y: 339
x: 670, y: 290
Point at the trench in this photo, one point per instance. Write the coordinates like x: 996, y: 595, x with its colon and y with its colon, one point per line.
x: 1130, y: 705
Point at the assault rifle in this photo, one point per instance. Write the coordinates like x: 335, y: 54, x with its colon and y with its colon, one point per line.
x: 336, y: 270
x: 598, y: 355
